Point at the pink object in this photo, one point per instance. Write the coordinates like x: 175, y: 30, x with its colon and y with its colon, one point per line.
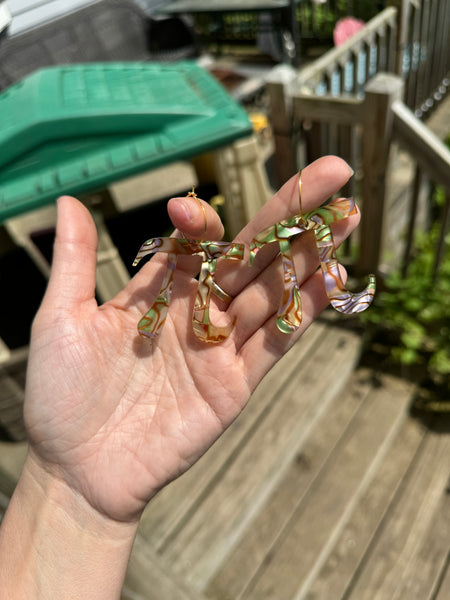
x: 346, y: 28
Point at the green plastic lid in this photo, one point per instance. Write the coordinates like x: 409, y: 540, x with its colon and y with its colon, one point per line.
x: 77, y: 128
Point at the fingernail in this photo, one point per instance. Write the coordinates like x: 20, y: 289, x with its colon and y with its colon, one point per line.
x: 180, y: 209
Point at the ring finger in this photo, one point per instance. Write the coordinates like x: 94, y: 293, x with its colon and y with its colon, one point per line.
x: 260, y: 300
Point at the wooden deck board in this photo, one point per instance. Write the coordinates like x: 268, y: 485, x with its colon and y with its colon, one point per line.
x: 219, y: 522
x: 356, y: 508
x: 148, y: 578
x: 336, y: 576
x: 173, y: 505
x: 324, y: 488
x: 443, y: 593
x: 429, y: 558
x: 326, y: 510
x: 391, y: 571
x: 244, y: 561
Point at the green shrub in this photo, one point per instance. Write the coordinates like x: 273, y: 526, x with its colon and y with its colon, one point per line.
x: 412, y: 314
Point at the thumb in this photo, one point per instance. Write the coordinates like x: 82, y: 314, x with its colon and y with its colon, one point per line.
x: 72, y: 278
x: 195, y: 218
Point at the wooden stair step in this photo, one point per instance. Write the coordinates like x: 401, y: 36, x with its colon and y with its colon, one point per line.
x: 415, y: 538
x: 335, y: 573
x: 325, y: 511
x: 251, y: 551
x: 443, y: 592
x: 149, y: 578
x: 172, y: 507
x: 212, y: 531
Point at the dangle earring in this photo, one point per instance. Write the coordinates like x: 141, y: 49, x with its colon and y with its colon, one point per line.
x: 152, y: 322
x: 319, y: 220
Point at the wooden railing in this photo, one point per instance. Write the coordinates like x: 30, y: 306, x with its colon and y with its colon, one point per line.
x: 423, y: 57
x: 366, y: 131
x: 340, y: 75
x: 347, y: 68
x: 390, y: 220
x: 409, y: 38
x: 432, y: 162
x: 359, y: 101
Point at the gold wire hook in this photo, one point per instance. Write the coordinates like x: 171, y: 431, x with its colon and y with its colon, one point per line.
x: 300, y: 194
x: 300, y: 198
x: 192, y: 194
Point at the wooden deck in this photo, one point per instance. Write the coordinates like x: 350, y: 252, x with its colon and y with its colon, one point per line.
x: 325, y: 488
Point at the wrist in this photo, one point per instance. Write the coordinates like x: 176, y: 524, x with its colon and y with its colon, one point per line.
x: 52, y: 540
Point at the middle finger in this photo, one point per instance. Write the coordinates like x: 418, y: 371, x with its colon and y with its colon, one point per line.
x: 260, y: 300
x: 320, y: 180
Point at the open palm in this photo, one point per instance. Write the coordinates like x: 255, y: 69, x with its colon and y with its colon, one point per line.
x: 116, y: 416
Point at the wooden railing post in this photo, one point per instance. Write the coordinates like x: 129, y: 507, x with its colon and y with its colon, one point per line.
x: 403, y: 10
x: 281, y: 121
x: 380, y: 94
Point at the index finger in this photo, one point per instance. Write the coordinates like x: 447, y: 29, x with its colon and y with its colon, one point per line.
x: 193, y: 218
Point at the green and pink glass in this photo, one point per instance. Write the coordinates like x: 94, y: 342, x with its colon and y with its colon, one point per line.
x: 289, y: 315
x: 319, y: 220
x: 152, y: 322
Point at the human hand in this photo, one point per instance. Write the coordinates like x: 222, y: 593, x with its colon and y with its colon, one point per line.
x: 112, y: 417
x: 115, y: 417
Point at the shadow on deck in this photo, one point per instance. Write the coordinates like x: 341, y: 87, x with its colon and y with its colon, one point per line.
x: 324, y: 488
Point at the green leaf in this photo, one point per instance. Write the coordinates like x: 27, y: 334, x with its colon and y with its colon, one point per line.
x: 413, y: 339
x: 406, y: 356
x: 440, y: 361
